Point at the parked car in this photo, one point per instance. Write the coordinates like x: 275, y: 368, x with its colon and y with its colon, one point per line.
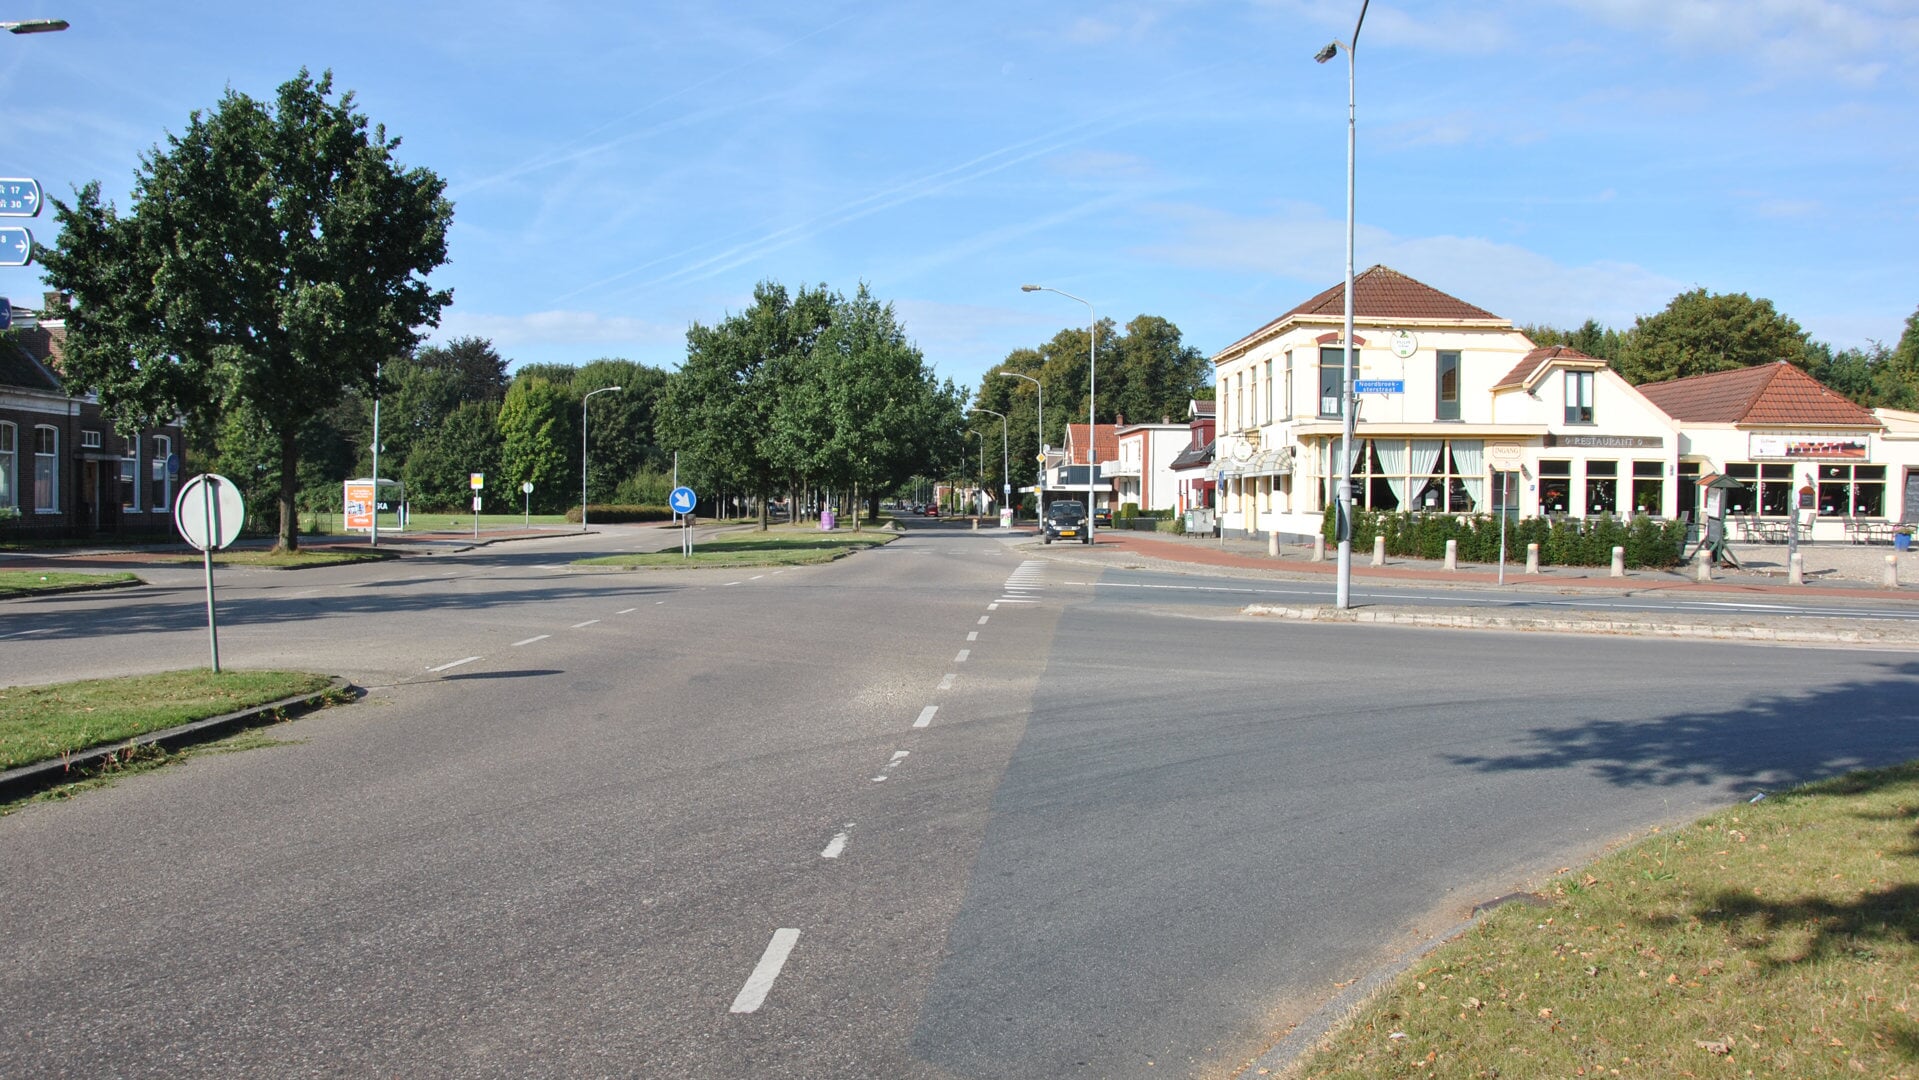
x: 1065, y: 520
x: 1103, y: 517
x: 932, y: 510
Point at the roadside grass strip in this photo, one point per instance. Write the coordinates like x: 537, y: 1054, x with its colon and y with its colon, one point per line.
x: 291, y: 560
x: 43, y: 723
x: 792, y: 549
x: 1778, y: 938
x: 28, y: 582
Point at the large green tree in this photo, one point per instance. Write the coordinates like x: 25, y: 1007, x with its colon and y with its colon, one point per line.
x: 466, y: 441
x: 1702, y: 332
x: 272, y: 255
x: 539, y: 441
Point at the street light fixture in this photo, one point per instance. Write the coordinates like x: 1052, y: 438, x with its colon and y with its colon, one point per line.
x: 1039, y: 426
x: 1092, y: 388
x: 1005, y: 458
x: 34, y: 26
x: 1342, y: 592
x: 583, y: 401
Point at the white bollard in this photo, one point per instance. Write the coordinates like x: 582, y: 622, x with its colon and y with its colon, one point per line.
x: 1618, y: 561
x: 1705, y: 565
x: 1272, y: 544
x: 1379, y: 551
x: 1452, y: 554
x: 1892, y: 571
x: 976, y: 523
x: 1796, y: 569
x: 1532, y: 558
x: 1319, y: 548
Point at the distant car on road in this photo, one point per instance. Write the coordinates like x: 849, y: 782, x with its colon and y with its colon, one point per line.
x: 932, y: 510
x: 1065, y: 520
x: 1103, y: 516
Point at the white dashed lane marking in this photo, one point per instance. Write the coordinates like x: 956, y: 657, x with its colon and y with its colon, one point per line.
x: 753, y: 994
x: 947, y: 682
x: 926, y: 716
x: 454, y: 664
x: 963, y: 654
x: 972, y: 635
x: 531, y: 640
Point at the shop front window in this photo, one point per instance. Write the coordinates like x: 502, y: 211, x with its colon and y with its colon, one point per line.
x: 1555, y: 486
x: 1427, y: 475
x: 1648, y: 487
x: 1602, y: 487
x: 1852, y: 491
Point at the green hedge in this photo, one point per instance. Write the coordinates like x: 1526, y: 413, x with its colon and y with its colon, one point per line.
x: 1562, y: 541
x: 616, y: 513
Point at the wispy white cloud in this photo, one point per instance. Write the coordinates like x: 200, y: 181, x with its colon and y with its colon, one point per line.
x: 1855, y: 42
x: 555, y: 328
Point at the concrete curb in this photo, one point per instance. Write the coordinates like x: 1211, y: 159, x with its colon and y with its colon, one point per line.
x: 63, y: 590
x: 27, y: 779
x: 1442, y: 618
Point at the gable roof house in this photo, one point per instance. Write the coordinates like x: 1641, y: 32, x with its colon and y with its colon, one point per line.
x: 64, y: 471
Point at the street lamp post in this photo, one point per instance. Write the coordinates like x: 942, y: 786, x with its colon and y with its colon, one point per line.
x: 1005, y: 459
x: 1040, y: 425
x: 1092, y: 388
x: 373, y: 538
x: 1342, y: 593
x: 982, y: 470
x: 583, y: 401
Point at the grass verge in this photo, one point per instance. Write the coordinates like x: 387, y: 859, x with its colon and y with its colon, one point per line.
x: 290, y: 560
x: 39, y: 723
x: 27, y: 582
x: 1776, y: 939
x: 773, y: 549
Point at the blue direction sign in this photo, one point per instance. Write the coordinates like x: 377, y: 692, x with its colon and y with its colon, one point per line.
x: 19, y: 197
x: 1379, y: 386
x: 6, y: 313
x: 16, y: 247
x: 682, y: 500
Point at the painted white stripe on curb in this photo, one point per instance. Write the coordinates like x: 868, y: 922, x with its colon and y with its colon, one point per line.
x: 454, y: 664
x: 926, y: 716
x: 753, y: 994
x: 531, y: 640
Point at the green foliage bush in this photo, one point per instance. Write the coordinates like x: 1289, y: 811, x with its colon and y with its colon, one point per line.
x: 1649, y: 543
x: 618, y: 513
x: 1128, y: 510
x: 1174, y: 525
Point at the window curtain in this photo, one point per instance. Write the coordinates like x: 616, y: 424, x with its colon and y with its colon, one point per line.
x: 1393, y: 459
x: 1469, y: 464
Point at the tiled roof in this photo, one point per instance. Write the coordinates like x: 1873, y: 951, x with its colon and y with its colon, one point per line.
x: 1106, y: 444
x: 1193, y: 457
x: 24, y: 361
x: 1536, y: 361
x: 1775, y: 394
x: 1202, y: 407
x: 1382, y: 294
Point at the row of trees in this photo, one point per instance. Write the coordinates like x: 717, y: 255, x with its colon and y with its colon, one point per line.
x: 1701, y: 332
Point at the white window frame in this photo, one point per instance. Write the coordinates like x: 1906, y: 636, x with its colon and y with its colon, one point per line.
x: 162, y: 484
x: 130, y: 477
x: 1579, y: 398
x: 46, y: 497
x: 9, y: 464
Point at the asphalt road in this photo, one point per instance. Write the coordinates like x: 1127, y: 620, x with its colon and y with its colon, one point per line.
x: 944, y: 809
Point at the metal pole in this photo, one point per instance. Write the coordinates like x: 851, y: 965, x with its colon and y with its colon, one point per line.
x: 374, y: 540
x: 1348, y: 406
x: 1505, y: 497
x: 583, y: 401
x: 1092, y: 392
x: 210, y: 492
x: 1040, y: 429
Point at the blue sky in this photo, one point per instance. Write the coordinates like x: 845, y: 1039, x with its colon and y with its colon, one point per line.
x: 622, y: 170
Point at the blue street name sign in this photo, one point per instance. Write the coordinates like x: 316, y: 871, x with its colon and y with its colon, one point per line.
x: 19, y: 197
x: 16, y: 247
x: 1379, y: 386
x: 682, y: 500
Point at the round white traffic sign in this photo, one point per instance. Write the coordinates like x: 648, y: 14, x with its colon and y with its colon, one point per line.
x: 526, y: 488
x: 209, y: 511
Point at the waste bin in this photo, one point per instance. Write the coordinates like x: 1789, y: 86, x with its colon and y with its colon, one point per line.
x: 826, y: 520
x: 1902, y: 541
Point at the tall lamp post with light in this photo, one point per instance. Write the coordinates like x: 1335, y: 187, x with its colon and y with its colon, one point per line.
x: 1092, y: 388
x: 1039, y: 425
x: 583, y: 401
x: 1342, y: 592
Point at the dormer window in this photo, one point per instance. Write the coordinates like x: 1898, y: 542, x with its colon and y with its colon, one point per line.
x: 1579, y: 397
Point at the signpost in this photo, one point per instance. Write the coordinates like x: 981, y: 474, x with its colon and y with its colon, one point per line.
x: 19, y: 197
x: 683, y: 501
x: 209, y: 512
x: 476, y: 481
x: 16, y: 246
x: 526, y: 489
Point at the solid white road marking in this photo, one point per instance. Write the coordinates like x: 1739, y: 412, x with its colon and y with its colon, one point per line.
x: 454, y: 664
x: 753, y: 994
x: 756, y: 577
x: 588, y: 622
x: 947, y: 682
x: 972, y: 635
x: 531, y: 640
x: 627, y: 611
x: 963, y: 654
x: 926, y: 716
x: 898, y: 756
x: 837, y: 844
x: 729, y: 583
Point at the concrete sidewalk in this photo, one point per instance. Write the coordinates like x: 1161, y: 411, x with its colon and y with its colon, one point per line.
x: 1835, y: 575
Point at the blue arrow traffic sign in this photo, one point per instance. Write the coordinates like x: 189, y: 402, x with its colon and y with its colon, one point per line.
x: 16, y: 247
x: 682, y: 500
x: 19, y: 197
